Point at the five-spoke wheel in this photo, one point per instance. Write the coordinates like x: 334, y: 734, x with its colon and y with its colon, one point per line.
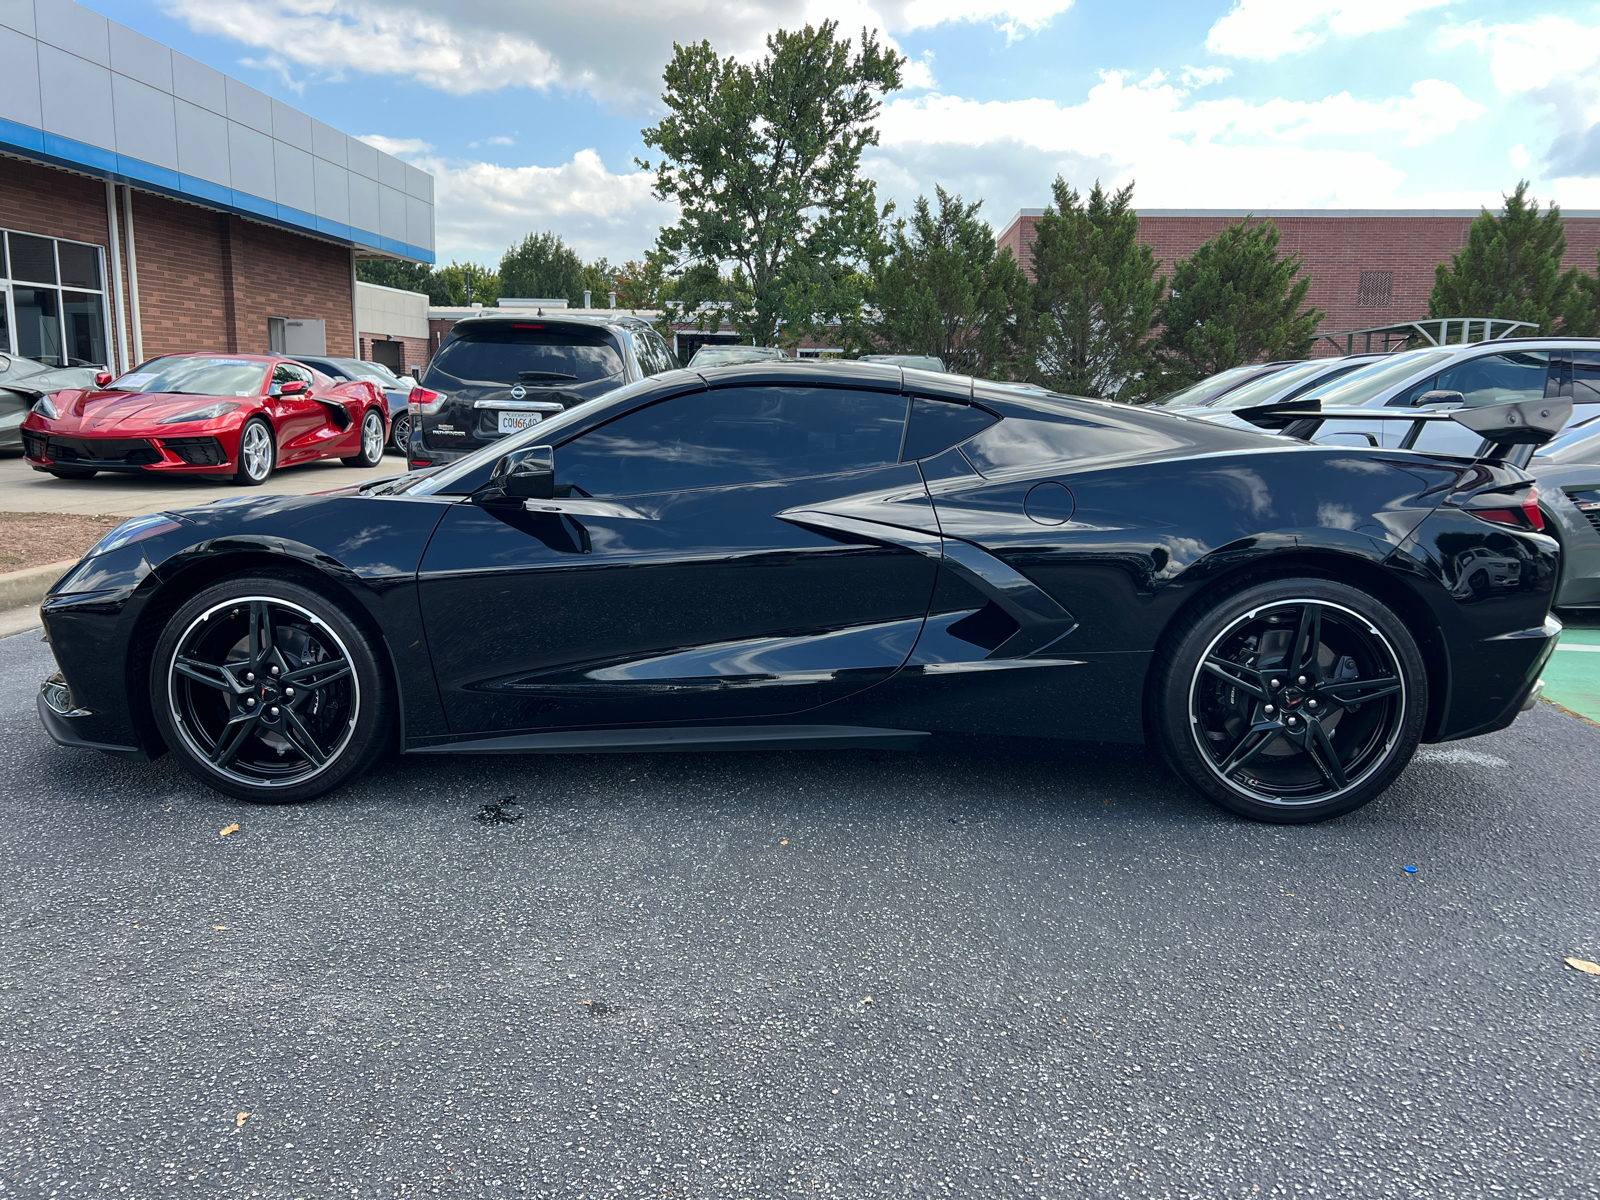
x: 268, y: 690
x: 1294, y: 701
x: 257, y: 453
x: 372, y: 438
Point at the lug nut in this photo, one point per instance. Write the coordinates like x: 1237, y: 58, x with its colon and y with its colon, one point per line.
x: 275, y: 671
x: 1269, y: 710
x: 273, y: 711
x: 1276, y: 683
x: 1292, y: 722
x: 249, y: 676
x: 250, y: 702
x: 1311, y: 703
x: 289, y: 691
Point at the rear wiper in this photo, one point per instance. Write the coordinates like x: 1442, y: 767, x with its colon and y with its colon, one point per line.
x: 544, y: 375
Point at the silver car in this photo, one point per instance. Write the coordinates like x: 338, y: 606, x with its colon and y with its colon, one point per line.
x: 1286, y: 383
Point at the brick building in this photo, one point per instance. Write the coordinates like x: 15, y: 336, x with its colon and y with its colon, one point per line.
x: 150, y: 204
x: 1368, y: 266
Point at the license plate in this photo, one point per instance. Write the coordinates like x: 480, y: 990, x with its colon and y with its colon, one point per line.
x: 512, y: 422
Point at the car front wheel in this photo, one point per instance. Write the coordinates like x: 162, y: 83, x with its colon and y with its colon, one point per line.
x: 267, y: 690
x: 257, y: 454
x: 1292, y: 701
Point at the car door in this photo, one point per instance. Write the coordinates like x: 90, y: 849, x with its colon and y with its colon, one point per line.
x: 666, y: 584
x: 297, y: 419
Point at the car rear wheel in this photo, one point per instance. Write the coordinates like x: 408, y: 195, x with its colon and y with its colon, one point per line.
x: 267, y: 690
x: 400, y: 433
x: 371, y: 442
x: 257, y: 454
x: 1293, y: 701
x: 72, y: 473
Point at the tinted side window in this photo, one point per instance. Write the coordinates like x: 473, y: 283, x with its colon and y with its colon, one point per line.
x: 1575, y: 376
x: 288, y: 372
x: 937, y: 425
x: 1497, y: 378
x: 669, y: 361
x: 735, y: 435
x: 526, y: 353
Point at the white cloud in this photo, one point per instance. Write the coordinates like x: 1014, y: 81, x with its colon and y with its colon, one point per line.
x: 1192, y: 77
x: 481, y: 207
x: 613, y: 49
x: 1267, y: 29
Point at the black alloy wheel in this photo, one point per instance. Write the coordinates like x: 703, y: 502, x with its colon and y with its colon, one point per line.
x: 371, y: 441
x: 268, y: 691
x: 400, y: 432
x: 1294, y: 701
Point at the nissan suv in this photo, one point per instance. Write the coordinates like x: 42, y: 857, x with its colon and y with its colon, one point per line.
x: 502, y: 372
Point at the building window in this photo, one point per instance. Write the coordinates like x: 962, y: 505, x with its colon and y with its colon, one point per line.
x: 52, y: 300
x: 1375, y: 289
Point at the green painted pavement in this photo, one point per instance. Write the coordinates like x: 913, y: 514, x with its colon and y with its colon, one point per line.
x: 1572, y: 678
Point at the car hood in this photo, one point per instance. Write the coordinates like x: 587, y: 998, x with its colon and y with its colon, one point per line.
x: 103, y: 412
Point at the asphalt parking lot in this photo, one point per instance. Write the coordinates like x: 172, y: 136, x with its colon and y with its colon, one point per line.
x: 846, y: 974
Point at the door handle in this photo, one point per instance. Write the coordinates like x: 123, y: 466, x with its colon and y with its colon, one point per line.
x: 578, y: 507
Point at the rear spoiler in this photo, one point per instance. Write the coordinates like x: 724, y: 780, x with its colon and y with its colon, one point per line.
x: 1510, y: 432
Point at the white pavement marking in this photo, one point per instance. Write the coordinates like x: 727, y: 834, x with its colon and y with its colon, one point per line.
x: 1584, y: 649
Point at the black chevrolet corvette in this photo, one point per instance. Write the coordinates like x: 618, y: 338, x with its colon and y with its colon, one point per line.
x: 833, y: 555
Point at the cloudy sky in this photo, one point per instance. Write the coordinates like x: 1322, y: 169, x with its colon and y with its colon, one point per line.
x: 528, y: 112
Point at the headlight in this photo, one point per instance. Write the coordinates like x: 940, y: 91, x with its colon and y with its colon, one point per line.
x: 209, y: 412
x: 135, y: 530
x: 45, y: 407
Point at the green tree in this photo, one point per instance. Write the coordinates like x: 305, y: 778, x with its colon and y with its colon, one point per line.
x: 943, y: 290
x: 599, y: 278
x: 763, y: 161
x: 1511, y: 267
x: 542, y: 265
x: 1095, y: 296
x: 1236, y: 300
x: 388, y: 272
x: 642, y: 283
x: 465, y: 283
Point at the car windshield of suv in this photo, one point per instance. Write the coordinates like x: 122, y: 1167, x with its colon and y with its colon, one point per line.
x: 195, y: 377
x: 1358, y: 387
x: 536, y: 353
x: 1212, y: 385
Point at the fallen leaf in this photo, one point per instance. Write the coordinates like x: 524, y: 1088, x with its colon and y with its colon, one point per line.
x: 227, y: 829
x: 785, y: 842
x: 1584, y: 965
x: 241, y: 1119
x: 220, y: 928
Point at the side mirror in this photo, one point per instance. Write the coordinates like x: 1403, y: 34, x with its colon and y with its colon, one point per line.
x: 103, y: 378
x: 293, y: 388
x: 1438, y: 398
x: 528, y: 474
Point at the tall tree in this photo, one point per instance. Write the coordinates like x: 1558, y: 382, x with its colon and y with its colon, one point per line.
x: 388, y: 272
x: 599, y: 279
x: 1236, y: 300
x: 763, y: 161
x: 1511, y: 267
x: 642, y: 283
x: 465, y: 283
x: 1095, y: 295
x: 943, y: 290
x: 542, y: 265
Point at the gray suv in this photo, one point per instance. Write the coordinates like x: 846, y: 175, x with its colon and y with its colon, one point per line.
x: 499, y: 373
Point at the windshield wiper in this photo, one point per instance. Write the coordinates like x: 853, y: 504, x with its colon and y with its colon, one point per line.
x: 544, y: 375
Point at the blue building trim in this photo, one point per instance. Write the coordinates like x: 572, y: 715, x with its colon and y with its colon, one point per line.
x: 54, y: 150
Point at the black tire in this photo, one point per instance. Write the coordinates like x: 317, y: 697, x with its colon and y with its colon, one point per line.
x: 372, y: 441
x: 1237, y: 724
x: 72, y: 473
x: 400, y: 432
x: 274, y: 720
x: 257, y: 458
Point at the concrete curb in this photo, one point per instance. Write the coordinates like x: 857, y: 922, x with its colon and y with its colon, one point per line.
x: 24, y: 589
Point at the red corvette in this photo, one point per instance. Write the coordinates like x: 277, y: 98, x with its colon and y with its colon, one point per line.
x: 208, y: 414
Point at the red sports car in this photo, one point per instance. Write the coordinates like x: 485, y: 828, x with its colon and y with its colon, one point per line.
x: 208, y: 414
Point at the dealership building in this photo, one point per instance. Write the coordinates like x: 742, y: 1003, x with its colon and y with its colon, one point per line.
x: 1368, y: 267
x: 151, y: 204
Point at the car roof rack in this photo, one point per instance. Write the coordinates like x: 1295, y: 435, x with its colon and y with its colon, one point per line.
x: 1511, y: 432
x: 1435, y: 331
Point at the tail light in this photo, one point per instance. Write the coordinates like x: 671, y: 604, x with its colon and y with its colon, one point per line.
x: 1518, y: 509
x: 422, y: 401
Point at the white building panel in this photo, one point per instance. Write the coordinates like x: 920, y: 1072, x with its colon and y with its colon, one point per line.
x: 328, y: 143
x: 202, y: 143
x: 391, y: 172
x: 292, y: 126
x: 418, y: 183
x: 391, y: 213
x: 250, y: 167
x: 296, y: 184
x: 365, y: 212
x: 249, y: 107
x: 18, y: 15
x: 333, y: 191
x: 19, y: 82
x: 74, y: 28
x: 141, y: 58
x: 147, y: 127
x: 419, y: 223
x: 199, y: 84
x: 75, y: 98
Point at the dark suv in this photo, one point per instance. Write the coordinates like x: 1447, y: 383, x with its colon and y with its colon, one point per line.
x: 502, y: 372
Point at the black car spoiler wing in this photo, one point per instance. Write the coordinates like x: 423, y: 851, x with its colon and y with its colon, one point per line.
x: 1510, y: 432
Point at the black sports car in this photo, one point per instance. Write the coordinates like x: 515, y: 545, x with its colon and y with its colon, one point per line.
x: 831, y: 554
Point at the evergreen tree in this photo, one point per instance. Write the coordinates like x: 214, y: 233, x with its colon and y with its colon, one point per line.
x: 388, y: 272
x: 763, y: 160
x: 1511, y: 267
x: 599, y: 279
x: 944, y: 290
x: 1237, y: 300
x: 1095, y: 295
x: 465, y: 283
x: 544, y: 266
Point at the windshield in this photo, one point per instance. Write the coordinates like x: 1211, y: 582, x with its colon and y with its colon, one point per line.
x: 526, y: 353
x: 546, y: 432
x: 380, y: 373
x: 1358, y: 387
x: 1213, y: 385
x: 1259, y: 391
x: 196, y: 377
